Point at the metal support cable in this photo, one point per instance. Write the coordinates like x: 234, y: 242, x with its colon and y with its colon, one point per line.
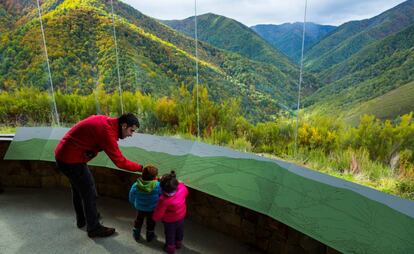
x: 300, y: 78
x: 95, y: 72
x: 137, y: 86
x: 196, y: 53
x: 48, y: 65
x: 117, y: 59
x: 95, y: 92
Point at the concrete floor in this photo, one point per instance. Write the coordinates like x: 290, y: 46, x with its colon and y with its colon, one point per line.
x: 42, y: 221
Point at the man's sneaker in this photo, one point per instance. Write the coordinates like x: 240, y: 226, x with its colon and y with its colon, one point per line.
x: 101, y: 231
x: 136, y: 232
x: 150, y: 236
x: 178, y: 244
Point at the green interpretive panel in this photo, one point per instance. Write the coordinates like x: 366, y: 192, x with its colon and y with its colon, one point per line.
x: 345, y: 216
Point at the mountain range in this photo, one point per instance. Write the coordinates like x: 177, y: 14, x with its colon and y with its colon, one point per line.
x: 347, y: 68
x: 363, y: 60
x: 353, y: 36
x: 288, y: 37
x: 153, y: 57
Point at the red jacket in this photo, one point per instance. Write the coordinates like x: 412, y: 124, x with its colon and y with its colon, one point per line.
x: 90, y: 136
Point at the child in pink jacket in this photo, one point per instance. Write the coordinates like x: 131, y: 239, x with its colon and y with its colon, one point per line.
x: 171, y: 209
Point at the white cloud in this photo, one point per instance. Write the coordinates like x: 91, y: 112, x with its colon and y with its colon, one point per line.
x: 252, y: 12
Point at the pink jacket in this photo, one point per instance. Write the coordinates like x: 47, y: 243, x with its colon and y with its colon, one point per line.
x: 172, y: 208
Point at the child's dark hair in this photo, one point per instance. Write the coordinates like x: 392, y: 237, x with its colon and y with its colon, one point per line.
x: 169, y: 182
x: 149, y: 173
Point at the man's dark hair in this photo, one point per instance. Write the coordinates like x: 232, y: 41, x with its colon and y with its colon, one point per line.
x: 169, y: 182
x: 128, y: 118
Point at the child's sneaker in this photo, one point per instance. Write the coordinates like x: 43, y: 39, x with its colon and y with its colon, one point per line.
x: 150, y: 236
x: 170, y: 249
x: 178, y: 244
x: 136, y: 232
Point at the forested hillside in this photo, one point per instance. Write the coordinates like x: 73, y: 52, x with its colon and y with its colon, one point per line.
x: 398, y: 102
x: 153, y: 58
x: 231, y: 35
x: 351, y: 37
x: 376, y: 70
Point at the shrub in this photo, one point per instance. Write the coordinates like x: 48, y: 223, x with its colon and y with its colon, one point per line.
x: 241, y: 144
x: 406, y: 188
x: 220, y: 136
x: 406, y: 167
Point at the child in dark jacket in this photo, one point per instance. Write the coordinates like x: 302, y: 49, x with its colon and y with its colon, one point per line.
x: 171, y: 209
x: 144, y: 195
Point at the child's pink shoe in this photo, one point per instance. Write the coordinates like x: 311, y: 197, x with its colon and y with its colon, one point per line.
x: 178, y: 244
x: 170, y: 249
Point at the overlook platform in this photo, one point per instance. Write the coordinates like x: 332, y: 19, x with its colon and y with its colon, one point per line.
x: 41, y: 220
x: 34, y: 218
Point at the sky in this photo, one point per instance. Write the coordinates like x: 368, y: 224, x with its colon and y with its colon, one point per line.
x: 253, y: 12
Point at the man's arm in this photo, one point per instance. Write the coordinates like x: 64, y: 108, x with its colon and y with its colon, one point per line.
x: 111, y: 148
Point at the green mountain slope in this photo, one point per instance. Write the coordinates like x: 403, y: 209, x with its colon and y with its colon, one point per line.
x: 398, y: 102
x: 228, y: 34
x: 351, y: 37
x: 153, y: 57
x: 11, y: 11
x: 231, y: 35
x: 288, y: 37
x: 377, y: 69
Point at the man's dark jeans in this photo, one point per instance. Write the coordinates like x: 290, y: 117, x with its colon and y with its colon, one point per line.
x: 83, y: 193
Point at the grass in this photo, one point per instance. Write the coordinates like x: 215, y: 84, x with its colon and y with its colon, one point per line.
x: 7, y: 129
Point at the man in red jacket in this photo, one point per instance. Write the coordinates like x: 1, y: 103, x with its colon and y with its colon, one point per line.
x: 81, y: 144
